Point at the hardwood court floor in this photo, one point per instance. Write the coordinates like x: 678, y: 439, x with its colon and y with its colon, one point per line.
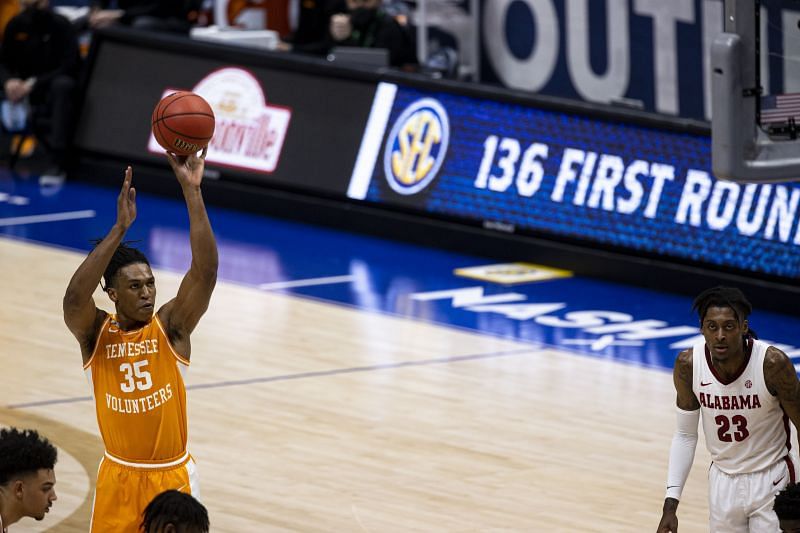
x: 312, y: 417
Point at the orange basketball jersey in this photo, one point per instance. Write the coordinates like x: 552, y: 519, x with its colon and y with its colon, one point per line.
x: 139, y: 393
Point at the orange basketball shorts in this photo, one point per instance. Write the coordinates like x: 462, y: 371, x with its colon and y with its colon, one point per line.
x: 124, y: 490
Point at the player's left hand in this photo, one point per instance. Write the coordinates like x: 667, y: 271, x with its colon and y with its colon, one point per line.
x: 188, y: 169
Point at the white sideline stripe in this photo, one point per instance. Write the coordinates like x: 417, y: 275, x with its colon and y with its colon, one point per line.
x: 306, y: 282
x: 371, y: 141
x: 52, y: 217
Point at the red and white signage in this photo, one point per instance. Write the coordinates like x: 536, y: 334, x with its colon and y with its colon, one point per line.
x: 249, y: 133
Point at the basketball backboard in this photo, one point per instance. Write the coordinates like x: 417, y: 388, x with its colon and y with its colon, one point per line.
x: 754, y: 135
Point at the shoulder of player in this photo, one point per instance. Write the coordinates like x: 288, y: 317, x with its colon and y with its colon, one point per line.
x: 164, y: 313
x: 89, y: 342
x: 684, y: 367
x: 90, y: 336
x: 780, y: 376
x: 685, y: 359
x: 682, y: 377
x: 174, y: 333
x: 774, y: 355
x: 776, y: 362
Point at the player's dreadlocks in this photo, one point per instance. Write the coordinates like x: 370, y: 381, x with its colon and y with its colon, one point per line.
x: 124, y: 255
x: 787, y: 503
x: 176, y: 508
x: 724, y: 297
x: 24, y: 452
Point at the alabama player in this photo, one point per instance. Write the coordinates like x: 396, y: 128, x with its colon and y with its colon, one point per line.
x: 745, y: 391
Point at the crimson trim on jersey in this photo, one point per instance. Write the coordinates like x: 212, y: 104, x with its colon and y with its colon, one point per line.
x: 787, y: 429
x: 747, y: 352
x: 790, y: 464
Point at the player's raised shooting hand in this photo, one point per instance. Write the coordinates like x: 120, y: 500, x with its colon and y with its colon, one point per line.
x: 126, y: 202
x: 188, y: 169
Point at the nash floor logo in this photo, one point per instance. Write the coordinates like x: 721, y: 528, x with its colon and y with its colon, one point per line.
x: 417, y: 146
x: 249, y: 132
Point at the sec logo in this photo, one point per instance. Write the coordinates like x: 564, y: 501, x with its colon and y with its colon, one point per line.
x: 416, y: 146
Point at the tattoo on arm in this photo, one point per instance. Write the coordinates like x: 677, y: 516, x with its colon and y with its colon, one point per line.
x: 781, y: 377
x: 682, y: 377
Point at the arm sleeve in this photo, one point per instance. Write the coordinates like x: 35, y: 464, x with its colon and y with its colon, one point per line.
x: 681, y: 453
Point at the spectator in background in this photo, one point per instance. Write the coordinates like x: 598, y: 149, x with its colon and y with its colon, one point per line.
x: 174, y: 16
x: 39, y: 62
x: 26, y: 476
x: 313, y: 21
x: 173, y: 511
x: 364, y: 23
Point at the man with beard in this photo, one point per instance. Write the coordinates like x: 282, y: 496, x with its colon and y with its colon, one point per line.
x: 26, y: 476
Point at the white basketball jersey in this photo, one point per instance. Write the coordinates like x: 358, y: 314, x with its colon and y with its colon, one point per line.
x: 745, y: 426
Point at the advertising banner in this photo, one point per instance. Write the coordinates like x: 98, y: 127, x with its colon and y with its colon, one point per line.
x: 650, y: 53
x: 524, y: 170
x: 273, y: 125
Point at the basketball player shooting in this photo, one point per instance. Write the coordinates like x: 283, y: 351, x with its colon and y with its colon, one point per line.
x: 136, y: 359
x: 745, y: 391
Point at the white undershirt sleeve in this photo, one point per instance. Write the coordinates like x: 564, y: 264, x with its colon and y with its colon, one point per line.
x: 681, y: 453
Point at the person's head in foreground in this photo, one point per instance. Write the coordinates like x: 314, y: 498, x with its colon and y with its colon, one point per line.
x: 173, y: 511
x: 27, y: 476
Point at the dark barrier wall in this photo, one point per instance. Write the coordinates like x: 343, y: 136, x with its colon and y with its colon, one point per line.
x: 304, y: 129
x: 535, y: 169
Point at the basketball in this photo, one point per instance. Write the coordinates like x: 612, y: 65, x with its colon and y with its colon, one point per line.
x: 183, y: 123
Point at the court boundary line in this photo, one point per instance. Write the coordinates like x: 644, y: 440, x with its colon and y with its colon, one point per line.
x: 378, y: 312
x: 311, y: 374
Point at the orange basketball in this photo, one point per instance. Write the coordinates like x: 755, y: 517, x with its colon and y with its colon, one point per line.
x: 183, y: 123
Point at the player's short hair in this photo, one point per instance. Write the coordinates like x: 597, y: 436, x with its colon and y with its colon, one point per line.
x: 24, y: 452
x: 176, y: 508
x: 787, y: 503
x: 722, y: 297
x: 124, y: 255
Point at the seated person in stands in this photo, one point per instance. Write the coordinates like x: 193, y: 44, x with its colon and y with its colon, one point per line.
x: 366, y: 24
x: 39, y: 61
x: 313, y: 20
x: 174, y: 16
